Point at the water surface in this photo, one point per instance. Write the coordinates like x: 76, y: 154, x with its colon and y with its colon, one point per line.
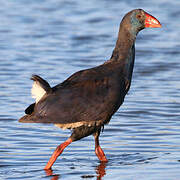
x: 57, y: 38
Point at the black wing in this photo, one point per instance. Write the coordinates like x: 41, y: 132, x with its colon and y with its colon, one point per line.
x: 89, y: 95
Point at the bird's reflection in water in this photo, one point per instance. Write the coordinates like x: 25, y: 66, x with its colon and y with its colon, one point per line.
x: 100, y: 171
x: 49, y: 172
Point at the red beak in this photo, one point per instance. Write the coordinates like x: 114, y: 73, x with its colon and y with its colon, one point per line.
x: 151, y: 22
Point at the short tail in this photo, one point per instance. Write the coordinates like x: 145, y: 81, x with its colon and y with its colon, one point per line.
x: 40, y: 87
x: 25, y: 119
x: 30, y: 118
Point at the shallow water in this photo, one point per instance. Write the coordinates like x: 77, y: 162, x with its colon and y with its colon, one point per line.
x: 56, y: 38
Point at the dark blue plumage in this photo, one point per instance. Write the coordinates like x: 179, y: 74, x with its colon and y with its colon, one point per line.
x: 86, y: 101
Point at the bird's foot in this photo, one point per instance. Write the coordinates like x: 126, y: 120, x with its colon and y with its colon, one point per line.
x: 100, y: 154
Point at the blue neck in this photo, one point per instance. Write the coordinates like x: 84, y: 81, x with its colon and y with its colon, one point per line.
x: 124, y: 51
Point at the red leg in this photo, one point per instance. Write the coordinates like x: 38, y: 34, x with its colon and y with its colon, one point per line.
x: 99, y: 152
x: 57, y: 152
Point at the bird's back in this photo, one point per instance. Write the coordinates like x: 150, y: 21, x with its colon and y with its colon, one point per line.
x: 88, y: 96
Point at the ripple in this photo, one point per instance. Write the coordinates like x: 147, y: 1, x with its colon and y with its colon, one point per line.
x: 56, y: 38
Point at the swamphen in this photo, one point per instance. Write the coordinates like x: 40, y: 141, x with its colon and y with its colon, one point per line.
x: 86, y: 101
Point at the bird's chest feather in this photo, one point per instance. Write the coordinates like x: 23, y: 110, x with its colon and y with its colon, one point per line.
x: 129, y: 63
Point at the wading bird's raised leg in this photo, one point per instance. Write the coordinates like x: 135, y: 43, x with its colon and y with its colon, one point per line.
x: 57, y: 153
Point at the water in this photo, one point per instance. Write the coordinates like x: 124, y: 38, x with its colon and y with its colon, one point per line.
x: 57, y: 38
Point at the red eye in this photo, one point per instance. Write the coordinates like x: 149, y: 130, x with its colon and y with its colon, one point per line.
x: 138, y: 16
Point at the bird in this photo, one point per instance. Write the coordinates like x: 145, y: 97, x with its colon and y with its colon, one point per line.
x: 86, y: 101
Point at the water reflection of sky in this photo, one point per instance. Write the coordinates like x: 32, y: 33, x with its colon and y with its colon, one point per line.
x: 56, y: 38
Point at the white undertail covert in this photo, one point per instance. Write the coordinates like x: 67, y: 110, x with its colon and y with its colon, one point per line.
x: 37, y: 91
